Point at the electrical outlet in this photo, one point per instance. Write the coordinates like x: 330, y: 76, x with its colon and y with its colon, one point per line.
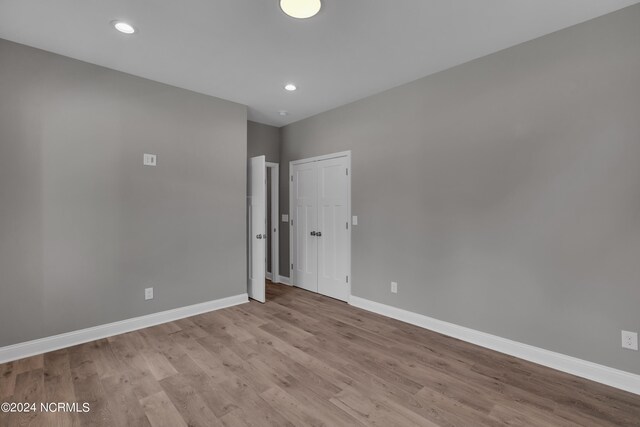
x: 148, y: 294
x: 394, y: 287
x: 630, y: 340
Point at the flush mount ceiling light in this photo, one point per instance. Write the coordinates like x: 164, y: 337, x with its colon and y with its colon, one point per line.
x: 123, y: 27
x: 290, y: 87
x: 300, y: 9
x: 283, y: 113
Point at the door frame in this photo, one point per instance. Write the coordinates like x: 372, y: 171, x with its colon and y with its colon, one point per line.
x: 274, y: 231
x: 292, y: 163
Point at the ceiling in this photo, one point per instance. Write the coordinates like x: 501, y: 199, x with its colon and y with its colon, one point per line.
x: 246, y: 50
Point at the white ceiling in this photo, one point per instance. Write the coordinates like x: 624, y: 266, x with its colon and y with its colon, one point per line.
x: 246, y: 50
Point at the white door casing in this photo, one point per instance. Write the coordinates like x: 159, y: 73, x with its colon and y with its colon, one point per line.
x: 257, y: 233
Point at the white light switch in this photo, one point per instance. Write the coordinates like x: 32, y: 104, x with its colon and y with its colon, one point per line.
x: 148, y: 294
x: 285, y: 218
x: 394, y: 287
x: 354, y: 220
x: 149, y: 159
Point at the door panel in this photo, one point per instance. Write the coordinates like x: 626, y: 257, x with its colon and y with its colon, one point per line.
x: 304, y: 216
x: 333, y: 217
x: 257, y: 233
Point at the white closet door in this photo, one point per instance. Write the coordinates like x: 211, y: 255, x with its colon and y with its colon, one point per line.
x: 333, y: 224
x: 304, y: 216
x: 257, y: 233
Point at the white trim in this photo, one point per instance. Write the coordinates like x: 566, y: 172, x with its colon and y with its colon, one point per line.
x: 284, y: 280
x: 317, y: 158
x: 572, y: 365
x: 56, y: 342
x: 269, y: 275
x: 349, y: 224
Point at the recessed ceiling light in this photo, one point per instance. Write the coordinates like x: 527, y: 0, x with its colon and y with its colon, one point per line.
x: 283, y: 113
x: 123, y: 27
x: 290, y: 87
x: 300, y: 8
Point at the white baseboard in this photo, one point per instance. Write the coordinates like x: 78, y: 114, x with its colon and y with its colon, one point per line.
x: 56, y: 342
x: 269, y: 276
x: 284, y: 280
x: 572, y: 365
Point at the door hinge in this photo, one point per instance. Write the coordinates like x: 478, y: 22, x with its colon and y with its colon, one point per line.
x: 347, y: 279
x: 347, y: 223
x: 291, y: 178
x: 291, y: 222
x: 347, y: 170
x: 292, y: 266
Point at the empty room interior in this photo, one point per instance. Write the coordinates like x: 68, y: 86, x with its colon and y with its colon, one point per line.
x: 319, y: 213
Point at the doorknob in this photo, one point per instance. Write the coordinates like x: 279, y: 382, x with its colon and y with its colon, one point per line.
x: 319, y: 234
x: 313, y: 233
x: 259, y: 236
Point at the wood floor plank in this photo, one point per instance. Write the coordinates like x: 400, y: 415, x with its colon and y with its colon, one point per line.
x: 189, y: 402
x: 256, y: 411
x: 29, y: 389
x: 123, y: 402
x: 133, y: 363
x: 207, y: 386
x: 325, y: 386
x: 88, y: 388
x: 161, y: 412
x: 103, y: 358
x: 373, y: 411
x: 29, y: 364
x: 7, y: 380
x: 58, y: 387
x: 302, y: 359
x: 286, y: 404
x: 238, y: 367
x: 208, y: 361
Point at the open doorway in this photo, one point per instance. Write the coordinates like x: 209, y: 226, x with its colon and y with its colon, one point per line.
x: 271, y: 215
x: 262, y: 225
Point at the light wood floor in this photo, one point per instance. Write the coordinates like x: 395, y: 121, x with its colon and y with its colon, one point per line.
x: 302, y: 359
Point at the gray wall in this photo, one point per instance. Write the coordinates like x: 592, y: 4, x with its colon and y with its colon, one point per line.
x: 84, y: 227
x: 503, y: 194
x: 263, y: 140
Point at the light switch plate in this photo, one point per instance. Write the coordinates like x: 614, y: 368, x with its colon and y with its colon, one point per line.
x: 149, y: 159
x: 148, y: 294
x: 354, y: 220
x: 285, y: 218
x: 394, y: 287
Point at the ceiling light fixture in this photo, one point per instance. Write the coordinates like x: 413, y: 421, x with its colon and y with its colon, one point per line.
x: 283, y: 113
x: 290, y: 87
x: 300, y: 9
x: 123, y: 27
